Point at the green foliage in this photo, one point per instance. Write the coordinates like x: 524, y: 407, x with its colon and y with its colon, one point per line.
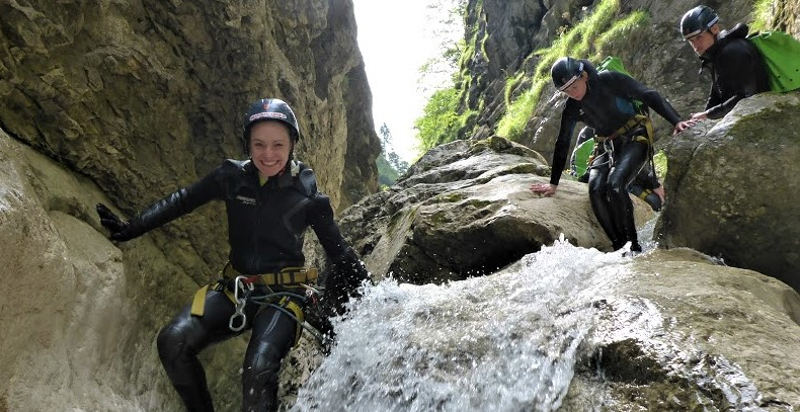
x: 660, y: 162
x: 444, y: 117
x: 622, y: 28
x: 762, y: 16
x: 386, y: 173
x: 581, y: 41
x: 440, y: 122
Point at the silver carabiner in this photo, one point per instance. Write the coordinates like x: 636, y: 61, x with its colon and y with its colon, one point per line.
x: 236, y: 315
x: 240, y: 303
x: 608, y: 146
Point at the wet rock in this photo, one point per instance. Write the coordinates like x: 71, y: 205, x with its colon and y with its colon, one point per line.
x: 465, y: 210
x: 733, y: 189
x: 687, y: 333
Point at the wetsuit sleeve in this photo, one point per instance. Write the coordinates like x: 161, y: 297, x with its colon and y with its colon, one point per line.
x: 569, y: 117
x: 737, y: 68
x: 624, y: 85
x: 344, y: 272
x: 179, y: 202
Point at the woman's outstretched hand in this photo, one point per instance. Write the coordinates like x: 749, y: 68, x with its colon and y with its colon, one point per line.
x: 120, y: 230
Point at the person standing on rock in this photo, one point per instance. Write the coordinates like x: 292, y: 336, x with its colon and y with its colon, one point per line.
x: 270, y: 199
x: 737, y: 67
x: 624, y: 137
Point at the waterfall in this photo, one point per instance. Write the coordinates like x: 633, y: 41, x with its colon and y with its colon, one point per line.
x: 506, y: 342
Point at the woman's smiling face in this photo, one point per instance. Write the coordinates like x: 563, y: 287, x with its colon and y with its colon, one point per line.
x: 270, y: 146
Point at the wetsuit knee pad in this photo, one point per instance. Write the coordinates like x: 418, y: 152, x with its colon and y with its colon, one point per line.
x: 264, y: 365
x: 175, y: 340
x: 616, y: 185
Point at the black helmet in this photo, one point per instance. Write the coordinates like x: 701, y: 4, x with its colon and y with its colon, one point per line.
x: 697, y: 20
x: 269, y: 109
x: 565, y: 71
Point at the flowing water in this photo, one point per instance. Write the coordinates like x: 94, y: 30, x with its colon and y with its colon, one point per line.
x: 512, y: 342
x: 506, y: 342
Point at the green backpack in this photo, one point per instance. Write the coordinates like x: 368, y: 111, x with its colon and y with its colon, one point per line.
x: 614, y: 64
x: 782, y: 57
x: 580, y: 158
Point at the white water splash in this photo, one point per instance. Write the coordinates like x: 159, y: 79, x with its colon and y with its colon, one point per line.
x: 506, y: 342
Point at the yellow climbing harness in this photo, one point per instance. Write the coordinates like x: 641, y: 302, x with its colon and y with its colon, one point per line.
x: 645, y: 193
x: 287, y: 277
x: 633, y: 124
x: 636, y: 121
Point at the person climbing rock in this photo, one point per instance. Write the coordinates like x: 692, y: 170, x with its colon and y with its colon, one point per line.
x: 271, y: 199
x: 737, y: 67
x: 605, y: 102
x: 645, y: 186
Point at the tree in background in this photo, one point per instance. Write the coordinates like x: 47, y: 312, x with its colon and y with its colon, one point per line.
x: 390, y: 166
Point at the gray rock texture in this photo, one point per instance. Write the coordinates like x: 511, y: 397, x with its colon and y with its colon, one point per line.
x: 466, y: 209
x: 146, y: 96
x: 734, y: 189
x: 123, y: 103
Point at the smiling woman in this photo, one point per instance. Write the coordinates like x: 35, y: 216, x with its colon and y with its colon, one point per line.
x: 397, y: 39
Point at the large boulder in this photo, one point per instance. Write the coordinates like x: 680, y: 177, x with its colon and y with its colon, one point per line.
x: 79, y: 316
x: 733, y: 187
x: 466, y: 209
x: 681, y: 332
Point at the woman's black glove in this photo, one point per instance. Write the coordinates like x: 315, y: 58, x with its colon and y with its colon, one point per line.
x: 343, y: 276
x: 120, y: 230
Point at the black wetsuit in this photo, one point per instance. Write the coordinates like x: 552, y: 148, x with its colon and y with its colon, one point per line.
x: 607, y: 106
x: 737, y: 71
x: 265, y: 230
x: 643, y: 184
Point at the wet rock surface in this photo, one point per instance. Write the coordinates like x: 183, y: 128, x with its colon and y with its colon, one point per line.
x: 733, y: 189
x: 465, y: 209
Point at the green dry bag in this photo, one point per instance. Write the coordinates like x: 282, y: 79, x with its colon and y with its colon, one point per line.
x: 612, y: 63
x: 580, y: 157
x: 782, y: 57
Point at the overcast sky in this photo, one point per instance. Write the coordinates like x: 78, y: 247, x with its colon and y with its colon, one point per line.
x: 396, y: 38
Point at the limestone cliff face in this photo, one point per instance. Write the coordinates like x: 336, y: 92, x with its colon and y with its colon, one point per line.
x: 145, y: 96
x: 784, y: 15
x: 124, y: 102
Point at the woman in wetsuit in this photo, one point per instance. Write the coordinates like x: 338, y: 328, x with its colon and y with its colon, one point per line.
x: 271, y: 200
x: 607, y: 102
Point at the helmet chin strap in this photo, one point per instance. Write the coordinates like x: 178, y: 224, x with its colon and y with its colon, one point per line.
x: 292, y: 166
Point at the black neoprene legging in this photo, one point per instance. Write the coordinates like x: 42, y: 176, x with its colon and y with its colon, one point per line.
x: 608, y: 189
x: 273, y: 334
